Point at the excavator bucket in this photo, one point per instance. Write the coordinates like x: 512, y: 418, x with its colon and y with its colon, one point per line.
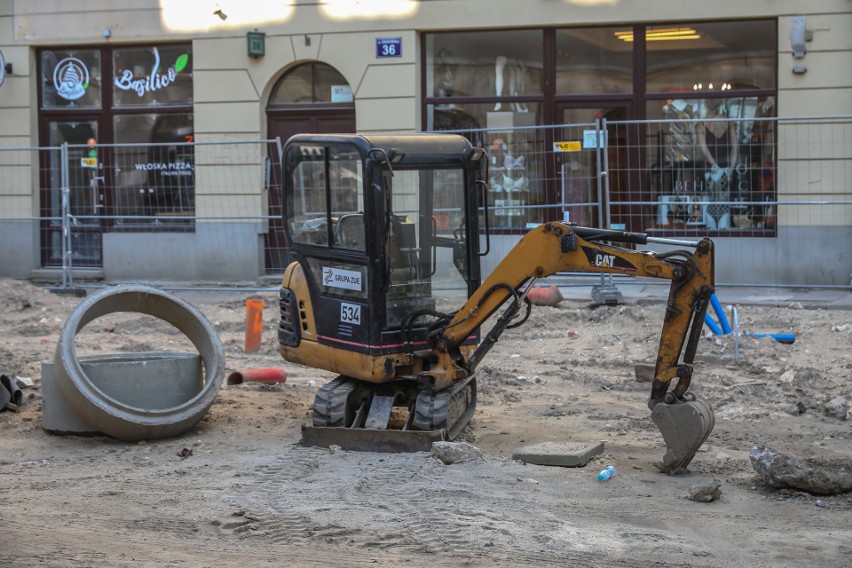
x: 685, y: 425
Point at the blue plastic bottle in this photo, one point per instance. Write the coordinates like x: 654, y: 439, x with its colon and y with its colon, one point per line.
x: 607, y: 472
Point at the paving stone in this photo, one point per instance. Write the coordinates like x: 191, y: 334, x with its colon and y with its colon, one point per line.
x: 564, y: 454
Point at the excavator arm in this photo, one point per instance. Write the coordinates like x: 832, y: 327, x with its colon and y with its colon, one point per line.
x: 559, y: 247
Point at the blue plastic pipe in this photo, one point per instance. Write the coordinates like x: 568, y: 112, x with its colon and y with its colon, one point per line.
x: 720, y: 314
x: 712, y: 324
x: 779, y: 337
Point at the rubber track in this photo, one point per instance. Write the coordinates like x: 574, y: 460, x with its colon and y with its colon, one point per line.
x: 433, y: 410
x: 330, y: 402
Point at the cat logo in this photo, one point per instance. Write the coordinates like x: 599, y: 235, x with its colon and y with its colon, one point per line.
x: 598, y: 259
x: 607, y: 260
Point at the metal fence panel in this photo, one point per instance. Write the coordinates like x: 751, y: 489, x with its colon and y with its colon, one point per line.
x: 213, y: 211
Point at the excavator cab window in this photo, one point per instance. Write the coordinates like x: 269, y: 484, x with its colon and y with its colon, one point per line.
x: 427, y: 227
x: 327, y: 208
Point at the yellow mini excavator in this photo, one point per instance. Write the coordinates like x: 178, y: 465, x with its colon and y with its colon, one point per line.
x: 382, y: 230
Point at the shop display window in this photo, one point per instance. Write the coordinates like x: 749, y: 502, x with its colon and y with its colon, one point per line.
x: 712, y: 163
x: 152, y: 76
x: 71, y: 78
x: 710, y: 55
x: 669, y: 171
x: 593, y: 61
x: 133, y: 164
x: 155, y: 168
x: 508, y: 63
x: 516, y: 156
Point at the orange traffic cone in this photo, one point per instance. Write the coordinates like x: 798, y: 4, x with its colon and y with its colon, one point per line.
x: 254, y: 324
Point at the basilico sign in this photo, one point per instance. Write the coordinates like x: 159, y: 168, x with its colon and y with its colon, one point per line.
x: 128, y: 81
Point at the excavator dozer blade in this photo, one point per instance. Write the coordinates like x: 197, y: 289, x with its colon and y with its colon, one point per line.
x: 685, y: 425
x: 369, y: 440
x: 356, y: 416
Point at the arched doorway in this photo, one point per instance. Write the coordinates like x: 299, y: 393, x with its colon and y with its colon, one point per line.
x: 313, y: 98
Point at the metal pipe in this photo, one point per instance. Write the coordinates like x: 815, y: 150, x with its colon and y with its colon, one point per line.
x: 678, y: 242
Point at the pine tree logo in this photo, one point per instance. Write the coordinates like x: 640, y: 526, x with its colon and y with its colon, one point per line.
x: 71, y: 78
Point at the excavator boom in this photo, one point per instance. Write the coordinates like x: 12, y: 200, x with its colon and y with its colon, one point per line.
x: 558, y: 247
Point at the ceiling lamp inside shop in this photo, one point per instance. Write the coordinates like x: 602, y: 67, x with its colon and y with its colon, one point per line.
x: 661, y: 34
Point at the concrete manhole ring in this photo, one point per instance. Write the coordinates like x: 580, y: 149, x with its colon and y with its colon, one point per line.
x: 121, y: 420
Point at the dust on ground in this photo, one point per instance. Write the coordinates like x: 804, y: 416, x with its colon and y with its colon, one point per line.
x: 240, y: 490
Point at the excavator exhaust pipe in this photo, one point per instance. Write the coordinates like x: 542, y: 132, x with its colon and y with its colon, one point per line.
x: 685, y: 425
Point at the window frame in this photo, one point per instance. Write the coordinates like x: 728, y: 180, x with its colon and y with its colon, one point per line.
x: 551, y: 102
x: 104, y: 116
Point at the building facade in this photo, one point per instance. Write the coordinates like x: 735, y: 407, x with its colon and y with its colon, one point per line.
x: 140, y: 94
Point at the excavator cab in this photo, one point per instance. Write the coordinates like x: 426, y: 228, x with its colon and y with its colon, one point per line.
x: 379, y: 226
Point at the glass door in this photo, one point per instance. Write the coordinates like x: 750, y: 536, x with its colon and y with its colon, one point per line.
x: 86, y: 201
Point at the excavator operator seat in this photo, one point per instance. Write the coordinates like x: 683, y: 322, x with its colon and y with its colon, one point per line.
x: 349, y: 231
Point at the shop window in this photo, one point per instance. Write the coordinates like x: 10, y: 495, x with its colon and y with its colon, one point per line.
x: 493, y: 80
x: 485, y: 64
x: 139, y: 172
x: 516, y: 179
x: 155, y: 168
x: 712, y: 163
x: 152, y: 76
x: 711, y: 57
x: 71, y: 79
x: 499, y: 87
x: 312, y: 83
x: 593, y: 61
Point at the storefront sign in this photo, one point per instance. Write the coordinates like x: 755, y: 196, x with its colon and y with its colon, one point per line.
x: 2, y: 68
x: 167, y: 168
x: 71, y: 78
x: 153, y: 82
x: 388, y: 47
x: 573, y: 146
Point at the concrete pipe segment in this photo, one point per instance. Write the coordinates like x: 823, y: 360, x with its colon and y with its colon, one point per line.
x: 116, y: 418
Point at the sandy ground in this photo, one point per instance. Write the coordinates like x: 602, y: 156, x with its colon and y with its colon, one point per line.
x: 249, y: 494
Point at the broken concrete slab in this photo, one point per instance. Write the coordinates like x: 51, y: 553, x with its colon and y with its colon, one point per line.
x: 563, y: 454
x: 815, y: 470
x: 455, y: 452
x: 837, y: 407
x: 705, y: 492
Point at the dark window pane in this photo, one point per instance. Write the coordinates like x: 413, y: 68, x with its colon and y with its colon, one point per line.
x: 295, y: 87
x: 81, y: 199
x: 593, y: 60
x: 491, y: 63
x: 71, y: 78
x: 711, y: 57
x: 154, y: 168
x: 312, y: 83
x: 330, y: 86
x: 146, y: 76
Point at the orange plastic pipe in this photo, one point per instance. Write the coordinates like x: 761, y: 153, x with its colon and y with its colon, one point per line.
x: 267, y: 375
x: 254, y: 324
x: 545, y: 296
